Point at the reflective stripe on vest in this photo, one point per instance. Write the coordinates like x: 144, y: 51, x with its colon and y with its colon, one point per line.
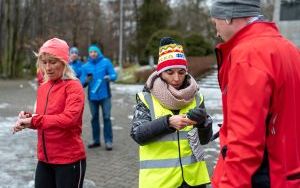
x: 159, y: 159
x: 150, y: 103
x: 173, y: 136
x: 165, y: 163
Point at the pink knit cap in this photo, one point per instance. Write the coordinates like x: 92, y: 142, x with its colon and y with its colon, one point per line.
x: 56, y: 47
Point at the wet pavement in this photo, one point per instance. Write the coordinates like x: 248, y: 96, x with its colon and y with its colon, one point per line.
x: 110, y: 169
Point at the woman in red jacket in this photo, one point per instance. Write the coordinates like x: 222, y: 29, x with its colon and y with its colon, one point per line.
x: 58, y: 120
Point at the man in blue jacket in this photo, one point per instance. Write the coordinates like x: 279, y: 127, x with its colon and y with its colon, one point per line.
x: 97, y: 73
x: 74, y: 62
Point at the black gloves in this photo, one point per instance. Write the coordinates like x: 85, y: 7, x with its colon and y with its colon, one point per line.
x: 204, y: 124
x: 205, y: 131
x: 199, y: 115
x: 88, y: 79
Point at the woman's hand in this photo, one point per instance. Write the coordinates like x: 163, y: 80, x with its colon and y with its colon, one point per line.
x: 22, y: 123
x: 23, y: 115
x: 179, y: 122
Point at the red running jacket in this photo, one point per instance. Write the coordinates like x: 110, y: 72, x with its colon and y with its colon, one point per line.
x: 259, y: 76
x: 58, y: 121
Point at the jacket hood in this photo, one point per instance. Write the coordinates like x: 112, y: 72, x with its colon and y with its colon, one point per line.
x: 96, y: 49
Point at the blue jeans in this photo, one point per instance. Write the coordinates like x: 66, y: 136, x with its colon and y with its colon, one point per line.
x: 107, y: 130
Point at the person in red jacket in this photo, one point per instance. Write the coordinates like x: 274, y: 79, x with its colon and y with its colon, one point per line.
x: 259, y: 76
x: 58, y: 120
x: 39, y: 77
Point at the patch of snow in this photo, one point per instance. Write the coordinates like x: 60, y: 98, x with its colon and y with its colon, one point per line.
x: 4, y: 105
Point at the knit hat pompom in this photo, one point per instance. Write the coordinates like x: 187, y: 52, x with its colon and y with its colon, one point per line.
x: 167, y: 40
x: 171, y: 55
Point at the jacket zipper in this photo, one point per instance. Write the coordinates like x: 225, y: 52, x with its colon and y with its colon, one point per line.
x: 179, y: 155
x: 43, y: 133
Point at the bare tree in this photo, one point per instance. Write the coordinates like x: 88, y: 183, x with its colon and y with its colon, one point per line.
x: 192, y: 17
x: 10, y: 37
x: 1, y: 30
x: 24, y: 25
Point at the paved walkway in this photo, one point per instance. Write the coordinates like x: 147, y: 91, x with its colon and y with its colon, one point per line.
x: 119, y: 167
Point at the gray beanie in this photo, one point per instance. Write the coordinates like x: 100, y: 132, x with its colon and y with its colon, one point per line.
x: 227, y: 9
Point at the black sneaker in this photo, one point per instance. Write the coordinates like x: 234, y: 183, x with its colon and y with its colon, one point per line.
x: 108, y: 146
x: 94, y: 145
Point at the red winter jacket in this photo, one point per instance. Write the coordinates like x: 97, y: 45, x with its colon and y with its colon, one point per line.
x: 259, y: 76
x: 58, y: 121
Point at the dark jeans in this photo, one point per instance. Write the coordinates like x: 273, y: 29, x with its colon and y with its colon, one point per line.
x: 107, y: 130
x: 60, y: 175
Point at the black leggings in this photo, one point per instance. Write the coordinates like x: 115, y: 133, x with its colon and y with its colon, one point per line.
x: 60, y: 175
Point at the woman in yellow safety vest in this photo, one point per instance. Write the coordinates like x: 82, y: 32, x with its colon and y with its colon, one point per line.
x: 170, y: 124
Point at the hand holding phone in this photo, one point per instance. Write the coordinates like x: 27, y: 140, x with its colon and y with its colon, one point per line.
x: 24, y: 121
x: 180, y: 121
x: 23, y: 115
x: 89, y: 77
x: 107, y: 78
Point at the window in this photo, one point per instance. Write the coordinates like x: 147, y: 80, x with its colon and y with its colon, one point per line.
x: 290, y: 10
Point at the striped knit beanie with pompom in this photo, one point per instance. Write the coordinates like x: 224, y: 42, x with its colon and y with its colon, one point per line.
x: 171, y: 55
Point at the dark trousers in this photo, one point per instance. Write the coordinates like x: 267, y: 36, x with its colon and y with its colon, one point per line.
x: 60, y: 175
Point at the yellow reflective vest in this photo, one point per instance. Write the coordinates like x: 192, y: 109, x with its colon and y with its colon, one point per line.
x: 162, y: 159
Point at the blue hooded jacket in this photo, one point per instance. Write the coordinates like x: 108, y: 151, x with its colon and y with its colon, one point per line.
x: 76, y: 66
x: 99, y: 68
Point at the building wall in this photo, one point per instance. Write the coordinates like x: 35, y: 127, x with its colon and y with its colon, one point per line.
x: 286, y: 15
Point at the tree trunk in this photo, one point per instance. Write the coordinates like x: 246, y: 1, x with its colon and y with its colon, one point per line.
x: 7, y: 42
x: 15, y: 42
x: 1, y: 31
x: 11, y: 21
